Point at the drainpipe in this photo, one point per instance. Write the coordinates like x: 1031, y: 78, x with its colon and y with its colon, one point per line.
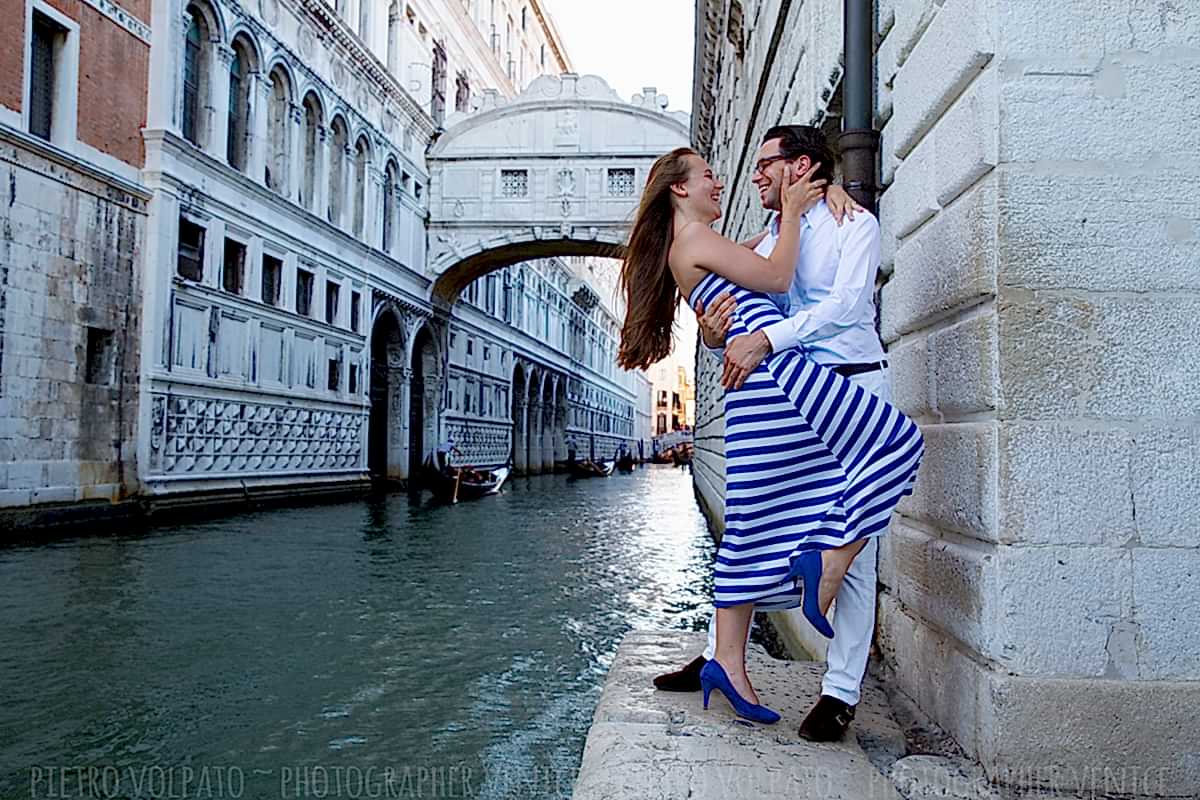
x: 859, y: 142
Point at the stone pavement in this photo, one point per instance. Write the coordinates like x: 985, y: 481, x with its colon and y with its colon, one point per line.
x: 663, y: 745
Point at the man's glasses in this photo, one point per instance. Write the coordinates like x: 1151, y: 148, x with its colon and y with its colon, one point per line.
x: 762, y: 164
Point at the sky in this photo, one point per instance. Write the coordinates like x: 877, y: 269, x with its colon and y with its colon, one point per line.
x: 633, y: 44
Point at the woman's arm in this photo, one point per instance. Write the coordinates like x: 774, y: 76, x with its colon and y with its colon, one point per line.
x: 700, y: 247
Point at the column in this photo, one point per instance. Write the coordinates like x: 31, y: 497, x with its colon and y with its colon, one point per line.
x: 373, y: 200
x: 321, y: 162
x: 520, y: 417
x: 217, y: 112
x: 393, y: 41
x: 295, y: 152
x: 260, y: 96
x: 548, y: 439
x: 400, y: 404
x: 346, y: 218
x: 534, y: 437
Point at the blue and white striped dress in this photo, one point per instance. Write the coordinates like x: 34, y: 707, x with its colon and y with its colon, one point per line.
x: 812, y: 462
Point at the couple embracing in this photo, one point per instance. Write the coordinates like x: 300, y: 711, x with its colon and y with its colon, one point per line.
x: 816, y: 456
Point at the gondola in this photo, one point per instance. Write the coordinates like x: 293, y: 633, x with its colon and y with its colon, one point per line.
x: 591, y: 469
x: 625, y: 463
x: 665, y: 457
x: 463, y: 483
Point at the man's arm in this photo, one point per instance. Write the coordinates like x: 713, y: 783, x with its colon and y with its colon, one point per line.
x: 858, y: 264
x: 755, y: 240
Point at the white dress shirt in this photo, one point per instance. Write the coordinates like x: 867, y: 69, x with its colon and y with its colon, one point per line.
x: 831, y: 302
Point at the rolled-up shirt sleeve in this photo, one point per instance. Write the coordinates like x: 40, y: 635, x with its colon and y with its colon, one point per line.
x: 853, y: 285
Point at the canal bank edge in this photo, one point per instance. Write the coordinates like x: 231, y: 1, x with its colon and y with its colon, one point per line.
x: 103, y: 516
x: 649, y: 744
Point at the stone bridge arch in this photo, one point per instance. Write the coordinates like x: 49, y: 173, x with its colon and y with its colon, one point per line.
x: 557, y: 171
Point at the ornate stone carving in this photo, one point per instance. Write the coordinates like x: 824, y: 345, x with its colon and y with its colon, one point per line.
x: 308, y: 43
x: 270, y: 11
x: 207, y: 437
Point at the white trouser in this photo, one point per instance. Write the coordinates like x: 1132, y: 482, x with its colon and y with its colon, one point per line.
x: 854, y: 612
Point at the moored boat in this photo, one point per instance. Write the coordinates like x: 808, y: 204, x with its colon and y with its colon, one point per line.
x: 591, y: 469
x: 463, y: 483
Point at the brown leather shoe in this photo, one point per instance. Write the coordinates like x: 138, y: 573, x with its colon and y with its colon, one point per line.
x: 684, y: 680
x: 828, y: 720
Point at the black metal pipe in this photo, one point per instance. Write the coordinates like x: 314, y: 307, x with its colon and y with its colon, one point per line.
x: 859, y: 142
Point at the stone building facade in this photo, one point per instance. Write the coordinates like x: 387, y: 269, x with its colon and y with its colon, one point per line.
x: 73, y: 226
x: 221, y: 268
x: 1040, y: 237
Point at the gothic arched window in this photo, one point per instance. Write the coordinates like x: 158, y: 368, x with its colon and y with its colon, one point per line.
x: 361, y: 157
x: 337, y: 169
x: 279, y: 132
x: 240, y: 67
x: 195, y: 66
x: 312, y: 141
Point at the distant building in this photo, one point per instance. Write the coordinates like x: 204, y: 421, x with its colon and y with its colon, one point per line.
x: 215, y: 274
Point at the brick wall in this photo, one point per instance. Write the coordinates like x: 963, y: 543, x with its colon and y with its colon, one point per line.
x: 113, y: 74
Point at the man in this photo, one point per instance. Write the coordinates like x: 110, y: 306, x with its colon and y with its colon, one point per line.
x: 832, y: 317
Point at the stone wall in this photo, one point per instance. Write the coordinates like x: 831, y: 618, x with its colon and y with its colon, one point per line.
x: 69, y: 317
x: 1040, y: 242
x: 789, y: 70
x: 1035, y: 320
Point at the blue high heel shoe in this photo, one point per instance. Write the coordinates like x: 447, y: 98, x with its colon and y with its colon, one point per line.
x: 713, y: 677
x: 809, y: 567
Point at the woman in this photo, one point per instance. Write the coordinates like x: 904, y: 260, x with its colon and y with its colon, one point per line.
x: 816, y: 464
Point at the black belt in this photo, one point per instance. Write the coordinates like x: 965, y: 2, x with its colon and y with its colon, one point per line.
x: 846, y: 370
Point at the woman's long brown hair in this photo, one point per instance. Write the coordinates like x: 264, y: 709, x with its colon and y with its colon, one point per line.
x: 651, y: 295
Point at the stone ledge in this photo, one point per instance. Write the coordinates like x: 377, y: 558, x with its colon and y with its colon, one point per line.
x: 649, y: 744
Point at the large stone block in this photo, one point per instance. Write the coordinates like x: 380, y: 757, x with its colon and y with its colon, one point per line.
x: 956, y: 486
x: 912, y: 198
x: 1058, y: 606
x: 949, y: 264
x: 952, y: 585
x: 1098, y: 356
x: 909, y: 371
x: 1098, y: 232
x: 1065, y: 484
x: 1123, y: 110
x: 963, y: 362
x: 912, y: 18
x: 958, y: 44
x: 1103, y: 737
x: 934, y: 671
x: 1166, y: 465
x: 966, y: 139
x: 1166, y: 590
x: 1081, y: 29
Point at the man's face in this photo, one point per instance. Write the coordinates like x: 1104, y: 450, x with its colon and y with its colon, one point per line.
x: 768, y: 173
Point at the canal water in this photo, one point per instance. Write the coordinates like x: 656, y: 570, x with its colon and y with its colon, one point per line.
x: 378, y: 648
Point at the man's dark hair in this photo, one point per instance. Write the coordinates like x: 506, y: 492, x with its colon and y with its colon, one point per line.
x: 804, y: 140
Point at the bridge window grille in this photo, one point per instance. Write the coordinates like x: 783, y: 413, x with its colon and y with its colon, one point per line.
x: 620, y: 182
x: 514, y: 183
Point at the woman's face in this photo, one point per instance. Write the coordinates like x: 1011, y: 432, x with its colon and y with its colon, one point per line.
x: 702, y: 190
